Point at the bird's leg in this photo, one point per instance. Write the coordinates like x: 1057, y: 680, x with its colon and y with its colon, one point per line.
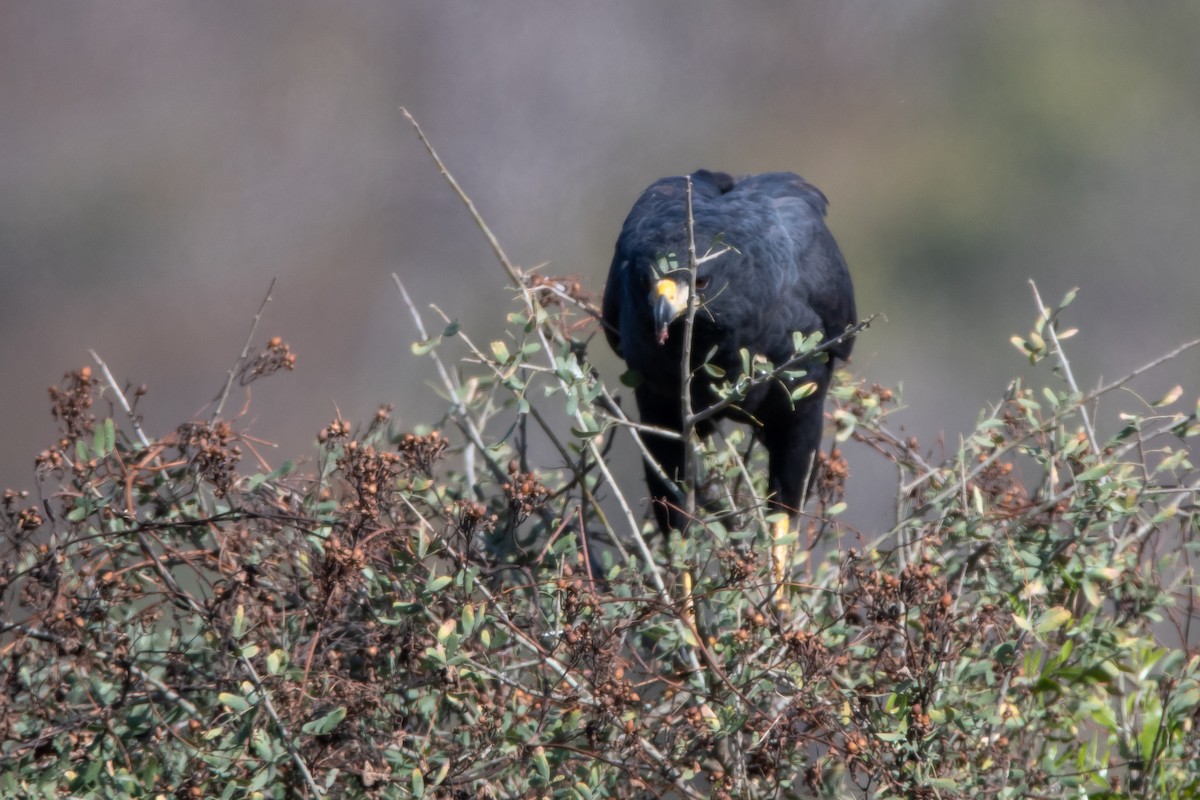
x: 780, y: 557
x: 792, y: 464
x: 689, y: 606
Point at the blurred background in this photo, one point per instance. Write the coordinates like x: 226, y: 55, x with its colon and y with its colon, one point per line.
x: 160, y: 163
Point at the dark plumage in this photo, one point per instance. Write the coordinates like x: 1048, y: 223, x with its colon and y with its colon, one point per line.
x: 784, y: 274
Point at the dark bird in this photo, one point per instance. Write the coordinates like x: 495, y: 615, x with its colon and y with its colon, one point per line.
x: 779, y: 271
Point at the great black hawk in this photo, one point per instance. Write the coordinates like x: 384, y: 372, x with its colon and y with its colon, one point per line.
x: 781, y: 272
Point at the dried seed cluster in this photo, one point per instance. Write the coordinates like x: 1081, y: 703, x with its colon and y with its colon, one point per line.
x: 336, y: 431
x: 275, y: 357
x: 209, y: 448
x: 371, y: 474
x: 525, y: 492
x: 71, y: 403
x: 418, y: 454
x: 474, y: 518
x: 832, y: 472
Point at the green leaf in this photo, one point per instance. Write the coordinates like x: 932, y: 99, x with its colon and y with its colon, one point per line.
x: 277, y: 660
x: 239, y: 622
x: 500, y: 351
x: 424, y: 347
x: 1169, y: 398
x: 949, y: 784
x: 803, y: 344
x: 541, y: 764
x: 804, y: 390
x: 418, y: 782
x: 90, y: 774
x: 1151, y: 723
x: 234, y: 702
x: 1102, y: 715
x: 1052, y: 619
x: 1092, y: 474
x: 583, y: 433
x: 845, y: 424
x: 451, y: 329
x: 102, y: 438
x: 262, y: 744
x: 631, y: 378
x: 437, y: 582
x: 325, y: 724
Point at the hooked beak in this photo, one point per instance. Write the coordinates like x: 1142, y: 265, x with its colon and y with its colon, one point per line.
x: 670, y: 301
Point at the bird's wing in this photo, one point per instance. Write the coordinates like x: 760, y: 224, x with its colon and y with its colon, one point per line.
x: 611, y: 306
x: 818, y: 282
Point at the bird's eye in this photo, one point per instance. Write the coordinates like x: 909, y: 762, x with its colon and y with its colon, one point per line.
x: 701, y: 283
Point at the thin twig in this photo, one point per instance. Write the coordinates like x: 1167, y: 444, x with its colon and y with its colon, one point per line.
x: 687, y: 430
x: 452, y: 387
x: 514, y: 274
x: 1119, y: 382
x: 636, y: 429
x: 224, y: 395
x: 112, y: 382
x: 1066, y: 366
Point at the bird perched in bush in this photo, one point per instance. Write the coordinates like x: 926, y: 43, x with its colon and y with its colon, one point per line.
x: 768, y: 267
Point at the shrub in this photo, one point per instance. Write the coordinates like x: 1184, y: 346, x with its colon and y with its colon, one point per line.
x: 425, y: 613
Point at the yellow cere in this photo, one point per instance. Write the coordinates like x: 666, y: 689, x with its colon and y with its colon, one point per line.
x: 676, y: 294
x: 666, y: 288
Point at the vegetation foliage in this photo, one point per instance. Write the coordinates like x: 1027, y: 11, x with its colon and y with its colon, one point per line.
x: 429, y: 612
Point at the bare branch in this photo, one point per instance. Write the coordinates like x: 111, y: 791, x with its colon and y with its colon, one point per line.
x: 224, y: 395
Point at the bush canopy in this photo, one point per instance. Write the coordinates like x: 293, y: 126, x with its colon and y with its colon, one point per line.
x: 481, y: 607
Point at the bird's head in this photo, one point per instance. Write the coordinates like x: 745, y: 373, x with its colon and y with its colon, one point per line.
x: 669, y: 298
x: 670, y: 287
